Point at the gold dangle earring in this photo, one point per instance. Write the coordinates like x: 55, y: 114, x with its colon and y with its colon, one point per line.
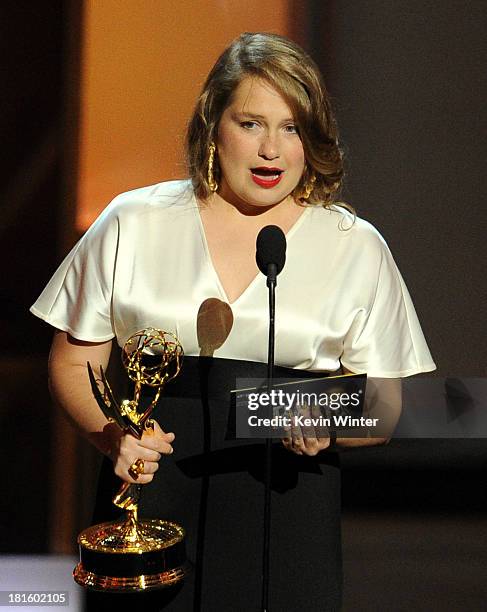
x: 212, y: 184
x: 310, y: 185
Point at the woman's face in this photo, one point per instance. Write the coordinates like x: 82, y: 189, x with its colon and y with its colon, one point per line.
x: 260, y: 153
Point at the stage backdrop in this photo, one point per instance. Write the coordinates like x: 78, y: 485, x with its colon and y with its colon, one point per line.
x: 143, y: 65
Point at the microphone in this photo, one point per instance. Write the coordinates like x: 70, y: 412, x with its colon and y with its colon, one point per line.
x: 271, y: 252
x: 270, y: 257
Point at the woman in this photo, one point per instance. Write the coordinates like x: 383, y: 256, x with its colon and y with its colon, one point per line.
x: 180, y: 256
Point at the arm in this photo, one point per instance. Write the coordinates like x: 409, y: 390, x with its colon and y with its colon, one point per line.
x: 70, y: 388
x: 383, y: 400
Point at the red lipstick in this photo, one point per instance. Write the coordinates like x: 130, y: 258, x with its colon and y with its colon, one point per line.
x: 266, y: 177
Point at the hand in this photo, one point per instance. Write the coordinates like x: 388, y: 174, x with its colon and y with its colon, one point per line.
x: 304, y: 438
x: 149, y: 449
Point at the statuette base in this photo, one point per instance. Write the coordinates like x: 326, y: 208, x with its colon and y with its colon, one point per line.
x: 131, y: 555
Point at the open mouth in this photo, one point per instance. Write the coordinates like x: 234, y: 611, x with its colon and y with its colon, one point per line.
x: 266, y: 177
x: 270, y: 173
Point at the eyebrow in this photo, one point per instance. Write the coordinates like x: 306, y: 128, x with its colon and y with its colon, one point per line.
x: 255, y: 116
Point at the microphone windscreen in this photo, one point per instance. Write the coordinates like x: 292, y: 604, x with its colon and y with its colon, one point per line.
x: 271, y: 248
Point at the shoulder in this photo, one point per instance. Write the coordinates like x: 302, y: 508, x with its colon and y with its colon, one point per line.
x: 178, y: 193
x: 347, y: 230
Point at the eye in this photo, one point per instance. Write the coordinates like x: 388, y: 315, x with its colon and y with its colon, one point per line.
x: 291, y: 129
x: 249, y: 125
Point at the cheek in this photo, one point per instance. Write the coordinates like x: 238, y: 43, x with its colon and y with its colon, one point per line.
x: 299, y: 156
x: 232, y: 145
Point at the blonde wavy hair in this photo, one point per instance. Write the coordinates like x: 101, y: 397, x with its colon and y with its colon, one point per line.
x: 284, y: 65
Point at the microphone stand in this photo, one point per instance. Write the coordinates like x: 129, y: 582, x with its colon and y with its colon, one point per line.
x: 271, y: 284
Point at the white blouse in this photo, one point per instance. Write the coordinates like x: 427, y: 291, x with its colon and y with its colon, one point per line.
x: 145, y: 263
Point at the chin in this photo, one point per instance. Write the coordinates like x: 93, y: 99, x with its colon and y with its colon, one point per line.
x: 267, y: 200
x: 256, y: 196
x: 270, y: 196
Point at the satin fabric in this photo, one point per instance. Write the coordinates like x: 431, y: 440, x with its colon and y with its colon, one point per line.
x: 145, y: 262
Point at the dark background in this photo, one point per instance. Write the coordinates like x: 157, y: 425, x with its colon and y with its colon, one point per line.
x: 408, y: 81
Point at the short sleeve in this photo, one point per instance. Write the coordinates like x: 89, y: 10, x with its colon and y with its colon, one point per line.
x: 385, y: 338
x: 78, y: 297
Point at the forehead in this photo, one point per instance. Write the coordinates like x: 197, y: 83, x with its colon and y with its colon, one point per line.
x: 254, y: 96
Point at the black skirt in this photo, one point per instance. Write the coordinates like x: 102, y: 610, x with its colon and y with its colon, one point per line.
x: 213, y: 485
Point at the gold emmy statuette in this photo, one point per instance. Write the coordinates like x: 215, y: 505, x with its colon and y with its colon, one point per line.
x: 134, y: 554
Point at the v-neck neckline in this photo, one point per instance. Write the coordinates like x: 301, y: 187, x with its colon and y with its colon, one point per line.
x: 223, y: 294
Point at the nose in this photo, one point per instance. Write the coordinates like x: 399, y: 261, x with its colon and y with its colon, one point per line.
x: 269, y: 148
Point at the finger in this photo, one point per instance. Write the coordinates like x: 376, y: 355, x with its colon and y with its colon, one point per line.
x: 141, y: 480
x: 140, y: 468
x: 315, y: 434
x: 292, y: 445
x: 307, y: 427
x: 287, y: 443
x: 130, y: 476
x: 321, y: 429
x: 156, y: 442
x: 296, y: 447
x: 155, y: 445
x: 297, y: 442
x: 130, y: 447
x: 167, y: 436
x: 310, y: 447
x: 286, y: 428
x: 150, y: 467
x: 147, y: 454
x: 167, y: 449
x: 323, y: 443
x: 310, y: 443
x: 296, y: 435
